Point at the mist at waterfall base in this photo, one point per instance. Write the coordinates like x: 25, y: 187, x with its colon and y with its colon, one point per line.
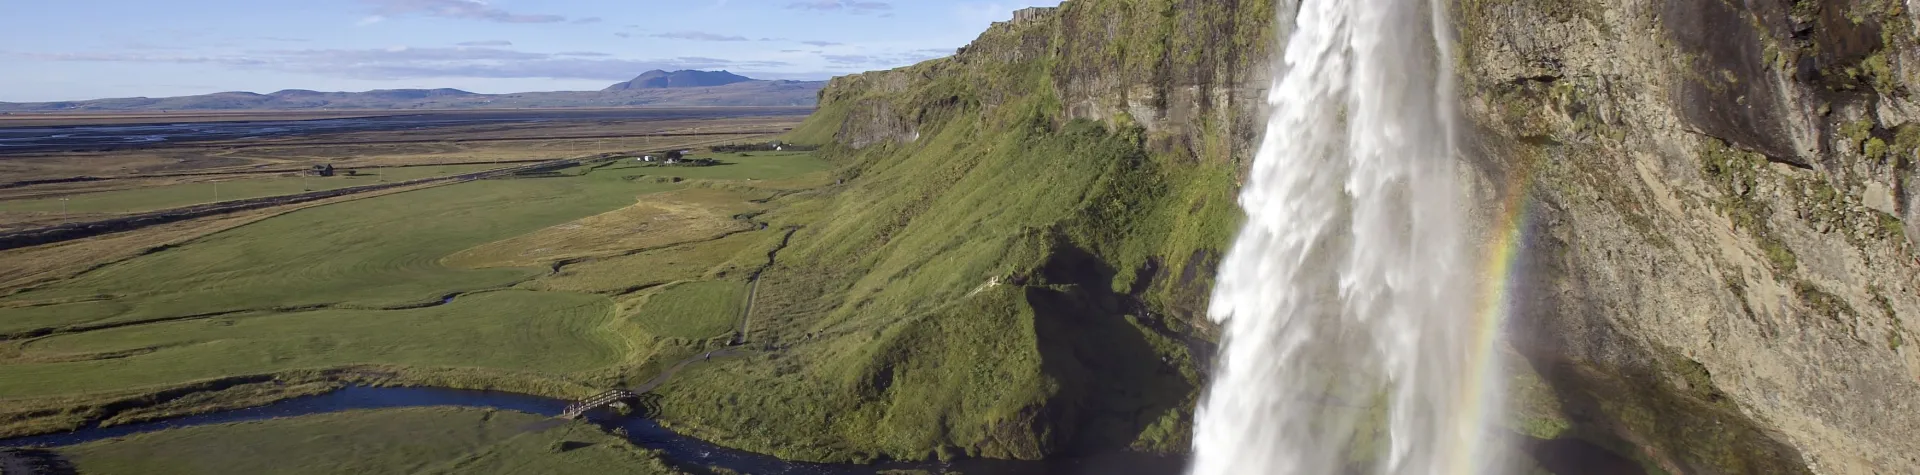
x: 1352, y: 342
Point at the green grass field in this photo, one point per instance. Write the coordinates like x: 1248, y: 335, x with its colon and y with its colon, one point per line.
x: 188, y: 194
x: 548, y: 332
x: 692, y: 310
x: 718, y: 258
x: 412, y: 440
x: 753, y: 166
x: 376, y: 252
x: 361, y: 282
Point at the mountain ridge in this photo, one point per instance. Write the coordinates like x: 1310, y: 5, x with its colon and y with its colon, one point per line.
x: 701, y: 88
x: 659, y: 79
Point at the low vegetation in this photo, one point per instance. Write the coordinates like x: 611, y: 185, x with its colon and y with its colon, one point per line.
x: 376, y: 253
x: 438, y: 286
x: 418, y: 440
x: 512, y: 330
x: 134, y: 200
x: 968, y: 292
x: 691, y: 310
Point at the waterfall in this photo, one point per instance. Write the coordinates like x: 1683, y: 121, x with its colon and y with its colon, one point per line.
x: 1347, y: 300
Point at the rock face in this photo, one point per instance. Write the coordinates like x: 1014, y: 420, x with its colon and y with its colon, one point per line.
x: 1718, y: 275
x: 1723, y: 219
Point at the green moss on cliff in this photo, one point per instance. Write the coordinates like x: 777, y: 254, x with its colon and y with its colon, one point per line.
x: 1737, y: 175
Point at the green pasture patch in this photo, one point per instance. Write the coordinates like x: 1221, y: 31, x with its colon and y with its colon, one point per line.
x: 188, y: 194
x: 410, y: 440
x: 692, y: 310
x: 553, y: 332
x: 754, y: 166
x: 376, y: 252
x: 730, y: 255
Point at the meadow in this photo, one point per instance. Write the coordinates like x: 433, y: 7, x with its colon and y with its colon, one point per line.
x: 134, y: 200
x: 414, y: 440
x: 529, y: 279
x: 374, y: 253
x: 165, y: 175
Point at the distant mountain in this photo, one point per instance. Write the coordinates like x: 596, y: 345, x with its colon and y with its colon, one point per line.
x: 657, y: 79
x: 652, y: 89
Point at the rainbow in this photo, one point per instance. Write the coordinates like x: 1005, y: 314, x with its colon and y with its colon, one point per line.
x: 1483, y: 394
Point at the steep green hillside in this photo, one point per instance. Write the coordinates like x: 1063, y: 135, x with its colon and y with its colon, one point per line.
x: 998, y: 277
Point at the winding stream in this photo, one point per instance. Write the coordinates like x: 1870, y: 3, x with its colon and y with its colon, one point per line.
x: 681, y: 451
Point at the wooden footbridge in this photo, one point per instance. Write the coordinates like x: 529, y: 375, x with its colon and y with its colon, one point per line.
x: 611, y: 397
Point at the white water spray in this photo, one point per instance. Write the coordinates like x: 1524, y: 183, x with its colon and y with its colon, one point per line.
x: 1347, y: 299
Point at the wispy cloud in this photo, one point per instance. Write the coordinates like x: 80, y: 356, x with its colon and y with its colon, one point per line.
x: 486, y: 43
x: 587, y: 20
x: 883, y: 59
x: 849, y: 6
x: 850, y: 59
x: 455, y: 9
x: 822, y: 44
x: 698, y: 36
x: 583, y: 54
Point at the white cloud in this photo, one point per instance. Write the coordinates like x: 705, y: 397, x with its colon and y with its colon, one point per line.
x: 459, y: 9
x: 849, y: 6
x: 698, y: 36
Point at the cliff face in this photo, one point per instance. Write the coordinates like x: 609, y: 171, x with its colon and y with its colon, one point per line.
x: 1718, y: 258
x: 1725, y: 217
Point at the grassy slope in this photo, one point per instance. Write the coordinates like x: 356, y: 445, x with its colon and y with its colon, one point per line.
x: 969, y: 291
x: 188, y: 194
x: 415, y: 440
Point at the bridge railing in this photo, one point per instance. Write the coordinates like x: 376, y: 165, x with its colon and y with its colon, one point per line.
x: 575, y: 410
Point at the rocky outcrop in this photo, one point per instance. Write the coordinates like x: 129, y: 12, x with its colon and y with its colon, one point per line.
x: 1724, y: 220
x: 1718, y: 212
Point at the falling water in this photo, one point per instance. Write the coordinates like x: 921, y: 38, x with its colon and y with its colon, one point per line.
x: 1347, y: 298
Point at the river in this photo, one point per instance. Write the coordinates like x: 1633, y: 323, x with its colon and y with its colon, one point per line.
x: 680, y: 451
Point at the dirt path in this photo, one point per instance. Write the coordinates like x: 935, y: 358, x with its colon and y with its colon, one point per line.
x: 753, y: 290
x: 740, y: 338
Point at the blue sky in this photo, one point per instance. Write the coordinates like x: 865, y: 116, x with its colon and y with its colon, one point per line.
x: 83, y: 49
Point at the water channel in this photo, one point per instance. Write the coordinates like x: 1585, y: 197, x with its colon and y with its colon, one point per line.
x: 681, y: 451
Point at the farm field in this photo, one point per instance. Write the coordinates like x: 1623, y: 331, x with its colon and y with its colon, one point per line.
x: 379, y: 252
x: 98, y: 183
x: 173, y: 195
x: 413, y: 440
